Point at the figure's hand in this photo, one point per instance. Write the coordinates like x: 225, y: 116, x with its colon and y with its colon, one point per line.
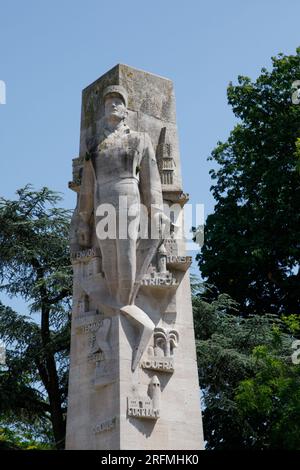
x: 83, y: 234
x: 90, y: 145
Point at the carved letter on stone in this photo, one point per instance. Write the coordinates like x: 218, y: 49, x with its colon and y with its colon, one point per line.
x: 107, y: 425
x: 167, y: 340
x: 146, y: 407
x: 101, y: 351
x: 101, y: 339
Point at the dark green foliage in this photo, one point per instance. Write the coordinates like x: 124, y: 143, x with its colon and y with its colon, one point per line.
x: 34, y: 264
x: 251, y: 249
x: 251, y: 388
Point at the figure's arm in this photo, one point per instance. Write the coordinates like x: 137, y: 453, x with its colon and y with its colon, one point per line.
x: 85, y: 204
x: 150, y: 183
x: 150, y: 188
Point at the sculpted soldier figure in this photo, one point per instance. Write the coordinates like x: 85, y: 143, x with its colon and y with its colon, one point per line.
x: 120, y: 171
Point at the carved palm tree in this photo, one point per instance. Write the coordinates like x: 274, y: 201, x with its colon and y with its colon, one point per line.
x: 167, y: 339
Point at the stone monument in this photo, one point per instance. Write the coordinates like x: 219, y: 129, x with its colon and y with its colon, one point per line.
x: 133, y: 375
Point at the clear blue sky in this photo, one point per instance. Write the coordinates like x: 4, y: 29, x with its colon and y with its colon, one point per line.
x: 51, y: 50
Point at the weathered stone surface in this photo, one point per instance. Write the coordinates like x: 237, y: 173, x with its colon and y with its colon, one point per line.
x: 133, y: 376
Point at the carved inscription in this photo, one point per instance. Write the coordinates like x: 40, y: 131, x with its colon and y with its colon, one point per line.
x: 164, y: 364
x: 88, y: 321
x: 141, y: 408
x: 171, y: 246
x: 107, y: 425
x: 159, y: 280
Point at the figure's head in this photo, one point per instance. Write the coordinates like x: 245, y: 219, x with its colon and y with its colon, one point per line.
x: 115, y: 103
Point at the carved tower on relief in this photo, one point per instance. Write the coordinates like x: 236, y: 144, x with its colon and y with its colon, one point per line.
x: 133, y: 375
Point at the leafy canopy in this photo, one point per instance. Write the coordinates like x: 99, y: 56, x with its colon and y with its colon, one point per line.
x: 251, y: 248
x: 34, y: 264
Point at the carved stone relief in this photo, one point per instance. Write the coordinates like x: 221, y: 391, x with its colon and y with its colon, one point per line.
x: 103, y: 426
x: 166, y: 162
x: 146, y: 407
x: 160, y: 355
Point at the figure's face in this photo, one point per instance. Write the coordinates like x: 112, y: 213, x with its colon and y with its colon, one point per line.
x: 115, y: 108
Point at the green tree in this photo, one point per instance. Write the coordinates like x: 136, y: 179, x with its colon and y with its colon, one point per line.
x: 23, y: 438
x: 250, y: 386
x: 269, y: 401
x: 251, y: 249
x: 35, y: 265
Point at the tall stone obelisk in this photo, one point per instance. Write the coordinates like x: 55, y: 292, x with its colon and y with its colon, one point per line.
x: 133, y: 376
